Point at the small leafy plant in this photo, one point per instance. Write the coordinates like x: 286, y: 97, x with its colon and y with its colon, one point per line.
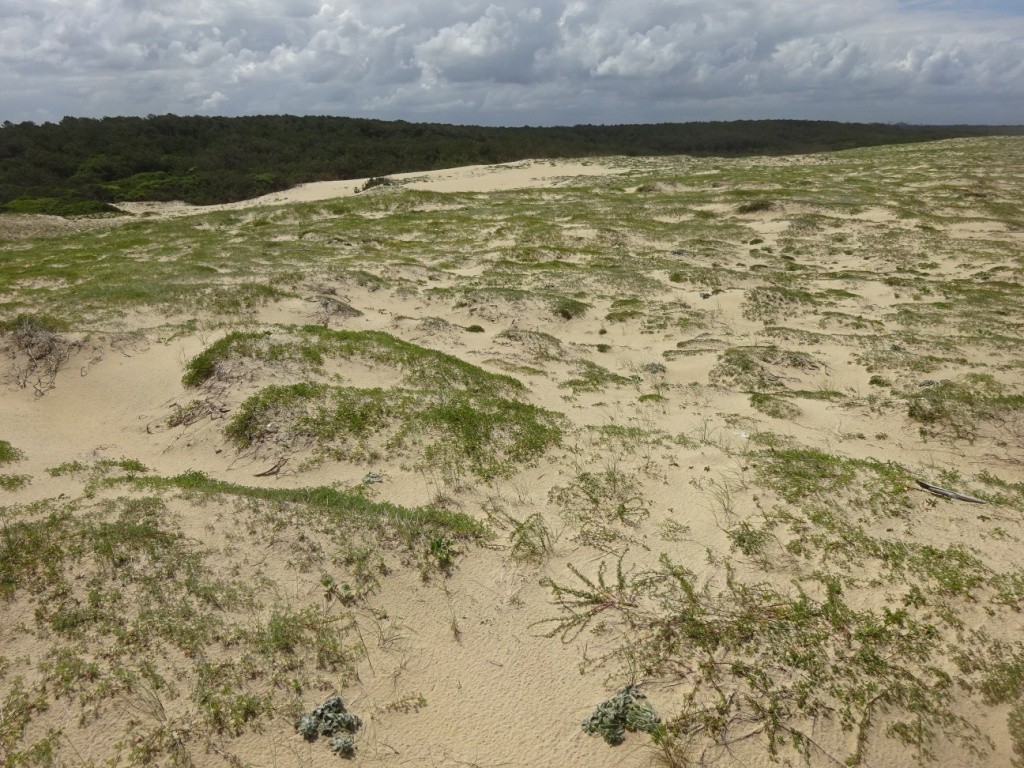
x: 627, y: 710
x: 331, y: 719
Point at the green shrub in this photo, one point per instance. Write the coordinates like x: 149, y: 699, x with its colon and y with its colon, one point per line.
x: 150, y: 185
x: 58, y: 206
x: 378, y: 181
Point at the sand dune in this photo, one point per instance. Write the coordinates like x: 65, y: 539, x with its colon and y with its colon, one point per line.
x: 473, y: 178
x: 742, y: 366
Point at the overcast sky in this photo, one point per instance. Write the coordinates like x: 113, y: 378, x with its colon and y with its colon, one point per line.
x: 535, y: 62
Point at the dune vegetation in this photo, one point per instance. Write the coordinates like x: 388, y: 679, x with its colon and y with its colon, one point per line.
x: 684, y: 461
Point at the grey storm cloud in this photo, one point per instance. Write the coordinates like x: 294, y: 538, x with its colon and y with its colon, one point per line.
x: 540, y: 62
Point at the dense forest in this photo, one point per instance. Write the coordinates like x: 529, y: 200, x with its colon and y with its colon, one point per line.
x: 80, y: 165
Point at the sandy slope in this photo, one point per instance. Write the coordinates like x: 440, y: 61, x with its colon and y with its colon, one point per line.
x: 473, y: 178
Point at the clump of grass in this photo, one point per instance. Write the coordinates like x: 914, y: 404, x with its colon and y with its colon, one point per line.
x: 487, y: 434
x: 491, y: 433
x: 9, y: 454
x: 623, y: 310
x: 14, y: 482
x: 67, y: 468
x: 755, y: 206
x: 39, y: 349
x: 337, y: 511
x: 531, y: 540
x: 225, y: 706
x: 205, y: 365
x: 774, y: 406
x: 601, y: 504
x: 237, y: 299
x: 747, y: 367
x: 377, y: 181
x: 768, y: 303
x: 312, y: 413
x: 748, y: 539
x: 591, y: 377
x: 309, y: 347
x: 958, y: 406
x: 27, y: 325
x: 542, y: 346
x: 475, y: 329
x: 652, y: 397
x: 802, y: 473
x: 288, y: 634
x: 567, y: 308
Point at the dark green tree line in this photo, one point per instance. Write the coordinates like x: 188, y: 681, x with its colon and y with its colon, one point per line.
x: 80, y: 165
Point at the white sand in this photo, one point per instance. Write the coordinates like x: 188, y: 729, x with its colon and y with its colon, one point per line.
x: 473, y: 178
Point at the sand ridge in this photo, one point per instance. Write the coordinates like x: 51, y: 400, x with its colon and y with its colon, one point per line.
x: 473, y: 178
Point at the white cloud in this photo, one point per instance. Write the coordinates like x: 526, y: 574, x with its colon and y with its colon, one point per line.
x: 215, y: 100
x: 523, y: 61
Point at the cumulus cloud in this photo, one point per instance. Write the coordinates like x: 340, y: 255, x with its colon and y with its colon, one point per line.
x: 515, y: 61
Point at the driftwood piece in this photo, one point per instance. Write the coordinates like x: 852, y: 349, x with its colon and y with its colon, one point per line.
x: 273, y: 470
x: 948, y: 494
